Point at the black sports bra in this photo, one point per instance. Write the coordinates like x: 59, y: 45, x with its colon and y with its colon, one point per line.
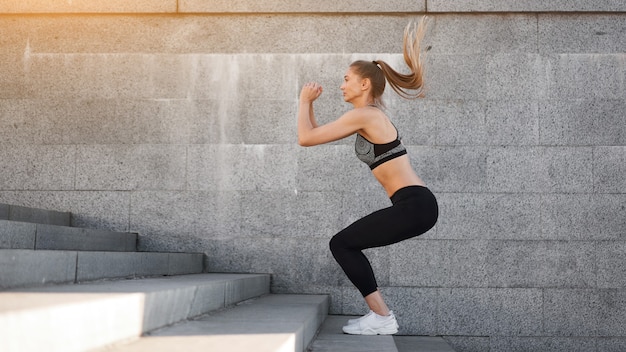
x: 376, y: 154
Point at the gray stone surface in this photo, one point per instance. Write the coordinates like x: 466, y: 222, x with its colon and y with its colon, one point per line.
x: 421, y: 344
x: 452, y: 169
x: 541, y: 264
x: 575, y: 217
x: 74, y: 238
x: 312, y: 219
x: 197, y: 214
x: 249, y: 6
x: 485, y: 312
x: 38, y: 216
x: 17, y: 235
x: 514, y: 76
x: 214, y: 290
x: 191, y: 35
x: 569, y: 33
x: 471, y: 122
x: 468, y: 343
x: 31, y: 268
x: 185, y: 263
x: 576, y: 344
x: 457, y: 75
x: 435, y: 263
x: 472, y: 216
x: 612, y: 317
x: 461, y: 35
x: 317, y: 166
x: 115, y: 121
x: 523, y: 6
x: 98, y: 265
x: 301, y: 6
x: 268, y: 323
x: 105, y: 210
x: 31, y: 321
x: 512, y: 122
x: 130, y: 167
x: 609, y: 166
x: 571, y: 312
x: 352, y: 301
x: 292, y: 271
x: 195, y: 6
x: 88, y: 6
x: 548, y: 344
x: 246, y: 287
x: 539, y: 170
x: 89, y: 209
x: 610, y: 258
x: 36, y: 167
x: 228, y: 167
x: 584, y: 76
x: 609, y: 344
x: 166, y: 307
x: 127, y: 308
x: 22, y: 268
x: 415, y: 309
x: 330, y: 338
x: 564, y: 122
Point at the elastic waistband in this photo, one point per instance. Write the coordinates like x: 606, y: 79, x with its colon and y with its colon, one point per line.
x: 408, y: 192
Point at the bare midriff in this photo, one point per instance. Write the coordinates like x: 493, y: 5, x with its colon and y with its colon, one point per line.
x: 396, y: 174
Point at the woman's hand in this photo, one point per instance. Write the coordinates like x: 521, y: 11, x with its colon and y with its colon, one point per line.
x: 310, y: 92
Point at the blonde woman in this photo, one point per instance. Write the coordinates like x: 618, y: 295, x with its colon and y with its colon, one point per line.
x: 414, y: 208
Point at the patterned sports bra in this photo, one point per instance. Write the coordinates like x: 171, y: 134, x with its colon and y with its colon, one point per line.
x: 376, y: 154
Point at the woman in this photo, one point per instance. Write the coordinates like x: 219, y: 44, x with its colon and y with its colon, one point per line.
x: 414, y: 208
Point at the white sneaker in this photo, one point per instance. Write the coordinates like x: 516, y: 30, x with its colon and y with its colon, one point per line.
x: 373, y: 324
x: 354, y: 321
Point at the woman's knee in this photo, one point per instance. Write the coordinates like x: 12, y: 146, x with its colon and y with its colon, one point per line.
x: 338, y: 245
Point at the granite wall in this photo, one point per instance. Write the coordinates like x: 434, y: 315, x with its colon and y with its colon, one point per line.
x: 176, y: 119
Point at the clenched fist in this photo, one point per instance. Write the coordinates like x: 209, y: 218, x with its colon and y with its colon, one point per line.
x: 310, y: 92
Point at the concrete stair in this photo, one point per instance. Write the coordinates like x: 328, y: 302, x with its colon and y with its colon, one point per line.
x: 39, y: 247
x: 331, y: 339
x: 34, y: 215
x: 72, y: 289
x: 81, y: 317
x: 271, y: 323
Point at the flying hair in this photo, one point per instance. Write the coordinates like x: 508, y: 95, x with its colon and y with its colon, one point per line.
x: 409, y: 85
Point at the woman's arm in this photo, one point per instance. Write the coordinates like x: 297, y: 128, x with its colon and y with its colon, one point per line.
x: 309, y: 133
x: 312, y: 116
x: 306, y: 117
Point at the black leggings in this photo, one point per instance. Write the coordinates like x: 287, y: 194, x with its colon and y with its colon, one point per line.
x: 414, y: 211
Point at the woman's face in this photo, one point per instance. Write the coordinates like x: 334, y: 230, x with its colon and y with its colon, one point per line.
x: 352, y: 86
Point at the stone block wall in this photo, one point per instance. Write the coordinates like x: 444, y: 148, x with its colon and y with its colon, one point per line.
x: 176, y: 120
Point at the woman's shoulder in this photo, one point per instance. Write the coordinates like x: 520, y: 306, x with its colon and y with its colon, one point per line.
x: 371, y: 122
x: 367, y: 114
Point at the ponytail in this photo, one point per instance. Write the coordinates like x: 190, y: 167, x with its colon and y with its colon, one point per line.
x: 414, y: 81
x: 408, y: 86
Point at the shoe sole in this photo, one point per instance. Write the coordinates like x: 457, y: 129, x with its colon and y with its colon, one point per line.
x: 370, y: 332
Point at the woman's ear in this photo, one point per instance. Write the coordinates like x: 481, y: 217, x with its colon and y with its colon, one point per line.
x: 366, y: 83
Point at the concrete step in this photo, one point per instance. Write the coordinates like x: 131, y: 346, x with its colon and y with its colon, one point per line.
x: 422, y: 344
x: 89, y: 316
x: 24, y: 267
x: 272, y: 323
x: 332, y: 339
x: 34, y: 215
x: 26, y: 235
